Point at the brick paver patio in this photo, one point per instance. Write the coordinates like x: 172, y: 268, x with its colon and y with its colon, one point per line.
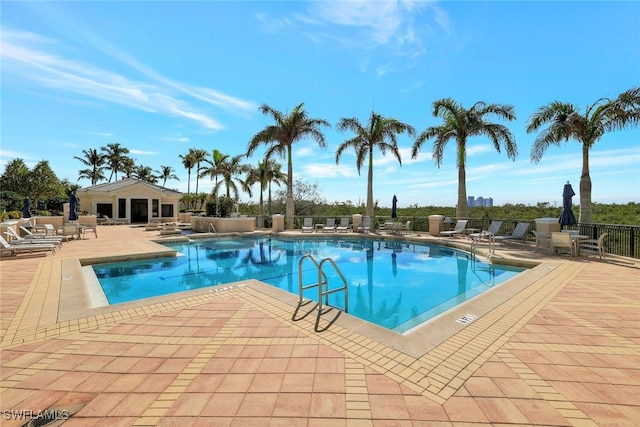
x: 563, y: 350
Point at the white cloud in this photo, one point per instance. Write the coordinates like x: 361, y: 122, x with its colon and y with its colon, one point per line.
x: 30, y: 57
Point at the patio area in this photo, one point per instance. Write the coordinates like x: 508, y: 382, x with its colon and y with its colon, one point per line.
x: 564, y: 350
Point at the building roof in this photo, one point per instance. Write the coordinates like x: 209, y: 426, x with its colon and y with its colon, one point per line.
x: 124, y: 183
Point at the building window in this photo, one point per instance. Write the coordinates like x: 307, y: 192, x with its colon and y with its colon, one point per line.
x: 167, y: 210
x: 122, y: 208
x: 104, y: 209
x: 154, y: 207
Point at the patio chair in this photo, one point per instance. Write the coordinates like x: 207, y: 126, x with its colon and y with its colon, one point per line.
x: 493, y: 229
x: 542, y: 239
x: 330, y: 225
x: 88, y: 228
x: 8, y: 248
x: 518, y: 233
x: 366, y: 225
x: 563, y: 241
x: 307, y: 225
x: 68, y: 230
x: 344, y: 225
x: 595, y: 245
x: 406, y: 227
x: 458, y: 229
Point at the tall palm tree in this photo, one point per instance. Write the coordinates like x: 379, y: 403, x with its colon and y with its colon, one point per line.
x: 274, y: 176
x: 217, y: 158
x: 280, y: 137
x: 128, y: 167
x: 188, y: 163
x: 198, y: 156
x: 460, y: 124
x: 95, y: 161
x: 166, y: 173
x: 381, y: 133
x: 565, y: 122
x: 115, y: 155
x: 229, y: 169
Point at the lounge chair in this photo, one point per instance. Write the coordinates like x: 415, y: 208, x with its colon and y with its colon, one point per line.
x: 563, y: 241
x: 458, y: 229
x: 493, y: 229
x: 307, y: 225
x: 518, y: 233
x: 8, y: 248
x: 596, y: 245
x: 38, y: 237
x: 366, y: 225
x: 17, y: 240
x: 330, y: 225
x: 109, y: 221
x: 406, y: 228
x: 344, y: 225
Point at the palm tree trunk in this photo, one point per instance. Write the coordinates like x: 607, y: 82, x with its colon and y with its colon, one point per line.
x: 462, y: 209
x: 369, y: 210
x: 585, y: 188
x: 289, y: 209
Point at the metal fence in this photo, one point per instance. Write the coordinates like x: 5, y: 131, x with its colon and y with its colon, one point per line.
x: 623, y: 240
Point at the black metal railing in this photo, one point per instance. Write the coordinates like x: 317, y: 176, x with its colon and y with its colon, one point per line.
x: 623, y: 240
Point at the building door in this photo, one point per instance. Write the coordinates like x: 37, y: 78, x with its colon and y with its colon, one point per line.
x: 139, y: 210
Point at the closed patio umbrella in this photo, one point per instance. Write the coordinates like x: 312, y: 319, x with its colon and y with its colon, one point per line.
x: 567, y: 217
x: 73, y: 207
x: 26, y: 208
x: 394, y: 207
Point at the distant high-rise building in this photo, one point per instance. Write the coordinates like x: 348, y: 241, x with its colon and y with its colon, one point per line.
x: 471, y: 201
x: 479, y: 201
x: 488, y: 202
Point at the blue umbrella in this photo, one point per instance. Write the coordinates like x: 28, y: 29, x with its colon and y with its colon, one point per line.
x: 26, y: 209
x: 394, y: 206
x: 567, y: 217
x: 73, y: 207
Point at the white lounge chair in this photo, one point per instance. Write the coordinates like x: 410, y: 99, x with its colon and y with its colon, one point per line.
x: 366, y: 225
x: 458, y: 229
x: 563, y: 241
x: 307, y: 225
x: 18, y: 240
x: 330, y: 225
x: 518, y: 233
x: 596, y: 245
x: 406, y: 228
x: 8, y: 248
x: 344, y: 225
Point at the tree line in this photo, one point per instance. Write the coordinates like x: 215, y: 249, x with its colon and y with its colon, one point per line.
x: 555, y: 124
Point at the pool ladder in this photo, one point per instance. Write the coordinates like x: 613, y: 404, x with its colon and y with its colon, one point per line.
x: 212, y: 228
x: 323, y: 287
x: 477, y: 239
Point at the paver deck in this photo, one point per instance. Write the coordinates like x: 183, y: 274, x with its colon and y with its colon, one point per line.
x: 562, y: 350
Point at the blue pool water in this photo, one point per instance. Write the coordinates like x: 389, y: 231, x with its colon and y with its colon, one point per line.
x: 393, y: 284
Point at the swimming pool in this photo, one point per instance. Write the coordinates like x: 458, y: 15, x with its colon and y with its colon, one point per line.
x: 394, y: 284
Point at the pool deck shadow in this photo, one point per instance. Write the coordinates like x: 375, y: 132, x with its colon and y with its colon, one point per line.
x: 558, y: 345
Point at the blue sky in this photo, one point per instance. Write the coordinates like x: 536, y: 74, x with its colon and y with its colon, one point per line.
x: 162, y: 77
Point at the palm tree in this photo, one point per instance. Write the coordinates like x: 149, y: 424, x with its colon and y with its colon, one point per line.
x: 228, y: 170
x: 95, y: 161
x: 381, y: 133
x: 128, y: 167
x: 217, y: 159
x: 144, y: 173
x: 280, y: 137
x: 274, y: 176
x: 188, y: 163
x: 198, y: 156
x: 460, y: 124
x: 565, y: 122
x: 259, y: 175
x: 115, y: 155
x: 165, y: 173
